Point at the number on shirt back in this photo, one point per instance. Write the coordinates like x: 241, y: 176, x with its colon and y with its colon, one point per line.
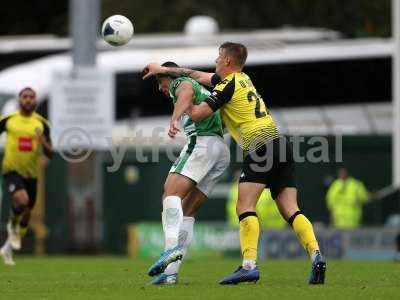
x: 253, y: 96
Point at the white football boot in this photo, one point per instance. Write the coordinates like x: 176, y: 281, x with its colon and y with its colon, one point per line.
x: 7, y: 254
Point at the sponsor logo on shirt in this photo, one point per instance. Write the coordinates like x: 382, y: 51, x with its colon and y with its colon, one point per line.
x: 25, y: 144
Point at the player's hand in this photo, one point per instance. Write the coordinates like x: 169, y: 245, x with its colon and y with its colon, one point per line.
x: 151, y: 69
x: 40, y: 136
x: 45, y: 143
x: 173, y: 128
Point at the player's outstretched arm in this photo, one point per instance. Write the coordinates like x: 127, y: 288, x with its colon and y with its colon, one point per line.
x: 184, y: 101
x: 199, y: 76
x: 214, y: 102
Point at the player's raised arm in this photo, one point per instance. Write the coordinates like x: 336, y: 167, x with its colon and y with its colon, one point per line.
x: 201, y: 77
x: 184, y: 101
x: 214, y: 102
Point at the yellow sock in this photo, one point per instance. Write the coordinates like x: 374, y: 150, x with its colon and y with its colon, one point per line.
x: 305, y: 233
x: 249, y: 232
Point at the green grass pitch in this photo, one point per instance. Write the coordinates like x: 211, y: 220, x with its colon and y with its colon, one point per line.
x: 123, y: 278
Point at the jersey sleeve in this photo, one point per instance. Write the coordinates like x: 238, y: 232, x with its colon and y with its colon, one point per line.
x: 176, y: 83
x: 221, y: 94
x: 3, y: 122
x: 46, y: 130
x: 215, y: 79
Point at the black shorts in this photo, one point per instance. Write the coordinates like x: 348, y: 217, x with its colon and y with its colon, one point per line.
x: 15, y: 182
x: 272, y: 164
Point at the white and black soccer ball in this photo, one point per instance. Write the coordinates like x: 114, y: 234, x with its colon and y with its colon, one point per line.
x: 117, y: 30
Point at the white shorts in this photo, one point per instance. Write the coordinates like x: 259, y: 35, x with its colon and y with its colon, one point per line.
x: 203, y: 160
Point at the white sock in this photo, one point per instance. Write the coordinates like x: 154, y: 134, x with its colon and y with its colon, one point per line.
x: 248, y: 264
x: 172, y: 217
x: 185, y: 238
x: 7, y: 245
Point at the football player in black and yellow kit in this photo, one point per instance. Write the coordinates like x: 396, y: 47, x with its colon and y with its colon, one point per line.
x: 268, y: 161
x: 28, y: 134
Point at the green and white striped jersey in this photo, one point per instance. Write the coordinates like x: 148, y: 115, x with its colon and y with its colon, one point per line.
x: 212, y: 125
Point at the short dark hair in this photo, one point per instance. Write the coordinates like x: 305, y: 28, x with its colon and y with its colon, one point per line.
x: 170, y: 64
x: 27, y: 88
x: 237, y: 51
x: 167, y: 64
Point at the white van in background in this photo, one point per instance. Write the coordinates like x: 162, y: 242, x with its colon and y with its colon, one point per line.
x: 297, y: 72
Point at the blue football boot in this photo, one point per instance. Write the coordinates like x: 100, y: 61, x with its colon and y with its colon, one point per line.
x: 242, y: 275
x: 317, y: 275
x: 166, y: 257
x: 165, y: 279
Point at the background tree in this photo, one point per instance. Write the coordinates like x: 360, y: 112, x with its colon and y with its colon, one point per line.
x: 354, y: 18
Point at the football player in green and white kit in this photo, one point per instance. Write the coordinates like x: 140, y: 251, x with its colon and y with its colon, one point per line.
x: 192, y: 177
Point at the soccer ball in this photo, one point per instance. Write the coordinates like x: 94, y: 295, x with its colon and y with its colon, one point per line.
x: 117, y: 30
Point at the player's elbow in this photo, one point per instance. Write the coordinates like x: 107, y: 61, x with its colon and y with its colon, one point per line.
x: 49, y: 154
x: 196, y: 116
x: 194, y: 119
x: 199, y: 112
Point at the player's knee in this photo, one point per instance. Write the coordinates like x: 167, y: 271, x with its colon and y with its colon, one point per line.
x: 168, y: 192
x: 242, y: 207
x: 21, y: 199
x: 238, y: 210
x: 171, y: 190
x: 165, y: 187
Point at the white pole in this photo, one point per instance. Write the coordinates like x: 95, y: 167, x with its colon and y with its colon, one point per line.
x: 396, y: 91
x: 84, y: 21
x: 84, y: 17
